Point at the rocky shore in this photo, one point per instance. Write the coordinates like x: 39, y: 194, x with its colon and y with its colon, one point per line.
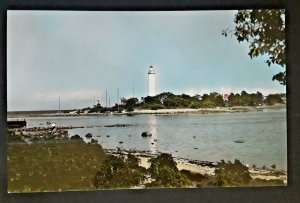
x: 207, y: 168
x: 193, y: 168
x: 38, y: 133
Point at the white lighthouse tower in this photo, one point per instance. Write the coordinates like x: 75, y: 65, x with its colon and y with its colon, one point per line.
x: 151, y: 81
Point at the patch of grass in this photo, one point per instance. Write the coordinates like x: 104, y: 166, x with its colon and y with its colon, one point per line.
x: 53, y: 166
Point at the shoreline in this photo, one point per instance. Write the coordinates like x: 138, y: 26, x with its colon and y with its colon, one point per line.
x: 200, y: 173
x: 205, y: 168
x: 148, y: 111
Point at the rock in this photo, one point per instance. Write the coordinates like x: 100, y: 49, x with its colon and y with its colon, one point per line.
x: 152, y: 143
x: 18, y: 133
x: 107, y: 135
x: 239, y: 141
x: 118, y: 125
x: 33, y: 133
x: 98, y: 135
x: 194, y: 136
x: 155, y: 140
x: 94, y: 141
x: 89, y: 135
x: 63, y: 132
x: 273, y: 166
x: 121, y: 142
x: 146, y: 134
x: 76, y: 137
x: 56, y: 134
x: 25, y: 133
x: 195, y: 148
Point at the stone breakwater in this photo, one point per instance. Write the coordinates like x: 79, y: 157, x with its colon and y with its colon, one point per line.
x: 39, y: 133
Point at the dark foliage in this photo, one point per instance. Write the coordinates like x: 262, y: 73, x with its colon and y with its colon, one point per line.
x: 232, y: 174
x: 264, y: 30
x: 116, y: 172
x: 163, y: 169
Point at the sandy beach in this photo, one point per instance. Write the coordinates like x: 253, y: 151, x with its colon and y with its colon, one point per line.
x: 255, y: 173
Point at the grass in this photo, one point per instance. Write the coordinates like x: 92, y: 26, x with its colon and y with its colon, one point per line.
x: 53, y: 166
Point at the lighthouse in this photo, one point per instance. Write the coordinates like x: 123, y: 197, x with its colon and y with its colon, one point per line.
x: 151, y: 81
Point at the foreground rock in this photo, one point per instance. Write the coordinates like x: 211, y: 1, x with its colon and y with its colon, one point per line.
x: 89, y: 135
x: 146, y: 134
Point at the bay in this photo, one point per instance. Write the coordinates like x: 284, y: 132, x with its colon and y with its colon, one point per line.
x: 261, y: 135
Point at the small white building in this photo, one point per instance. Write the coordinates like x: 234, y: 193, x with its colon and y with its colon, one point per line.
x: 151, y: 82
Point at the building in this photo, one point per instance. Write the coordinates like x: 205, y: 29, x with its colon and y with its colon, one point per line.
x: 151, y: 82
x: 225, y: 97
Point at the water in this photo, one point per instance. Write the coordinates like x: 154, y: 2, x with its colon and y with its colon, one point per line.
x: 206, y: 137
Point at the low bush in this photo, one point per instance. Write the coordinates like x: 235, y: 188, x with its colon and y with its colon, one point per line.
x: 232, y: 174
x: 116, y: 172
x: 163, y: 169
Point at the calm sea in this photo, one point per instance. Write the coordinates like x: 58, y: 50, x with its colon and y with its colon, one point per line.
x: 205, y: 137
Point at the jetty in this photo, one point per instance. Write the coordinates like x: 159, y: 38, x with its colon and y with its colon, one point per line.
x: 16, y: 124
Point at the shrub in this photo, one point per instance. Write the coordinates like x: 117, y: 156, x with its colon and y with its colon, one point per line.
x: 232, y: 174
x: 118, y: 173
x: 167, y: 177
x: 163, y: 169
x: 162, y: 160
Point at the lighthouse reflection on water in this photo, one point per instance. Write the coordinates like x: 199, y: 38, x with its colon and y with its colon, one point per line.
x: 152, y: 126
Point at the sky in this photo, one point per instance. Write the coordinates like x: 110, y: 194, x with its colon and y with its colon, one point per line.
x: 79, y: 55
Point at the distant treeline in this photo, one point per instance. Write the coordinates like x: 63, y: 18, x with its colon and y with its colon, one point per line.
x: 168, y: 100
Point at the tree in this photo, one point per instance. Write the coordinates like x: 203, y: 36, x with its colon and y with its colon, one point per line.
x: 274, y: 99
x: 264, y: 30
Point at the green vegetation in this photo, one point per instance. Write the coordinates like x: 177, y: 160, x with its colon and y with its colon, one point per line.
x: 53, y: 166
x: 168, y: 100
x: 163, y: 169
x: 74, y: 165
x: 274, y: 99
x: 245, y: 99
x: 118, y: 172
x: 232, y: 174
x: 264, y: 30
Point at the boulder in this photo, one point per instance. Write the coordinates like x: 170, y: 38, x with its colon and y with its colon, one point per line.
x: 239, y: 141
x: 33, y: 133
x: 25, y: 133
x: 76, y: 137
x: 18, y: 133
x: 146, y: 134
x: 121, y: 142
x: 63, y: 132
x: 89, y: 135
